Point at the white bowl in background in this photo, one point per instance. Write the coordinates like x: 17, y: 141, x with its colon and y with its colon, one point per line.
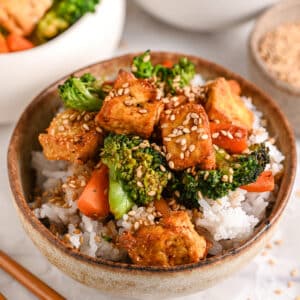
x: 204, y: 15
x: 23, y: 74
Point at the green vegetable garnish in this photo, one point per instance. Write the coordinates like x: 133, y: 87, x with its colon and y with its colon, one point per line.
x: 61, y: 16
x: 138, y: 173
x: 231, y: 173
x: 84, y: 93
x: 176, y: 77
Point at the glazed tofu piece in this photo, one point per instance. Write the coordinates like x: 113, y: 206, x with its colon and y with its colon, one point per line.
x: 186, y: 136
x: 226, y: 106
x: 235, y: 87
x: 131, y: 108
x: 72, y: 136
x: 21, y: 16
x: 172, y: 242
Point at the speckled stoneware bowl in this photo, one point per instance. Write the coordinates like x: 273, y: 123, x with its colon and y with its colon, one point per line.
x: 131, y: 280
x: 286, y: 95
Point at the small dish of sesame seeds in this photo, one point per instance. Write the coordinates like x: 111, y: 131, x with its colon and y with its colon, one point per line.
x: 274, y: 63
x: 149, y: 166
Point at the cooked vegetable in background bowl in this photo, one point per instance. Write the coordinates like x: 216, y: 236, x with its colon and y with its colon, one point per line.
x: 25, y: 24
x: 158, y: 168
x: 94, y: 36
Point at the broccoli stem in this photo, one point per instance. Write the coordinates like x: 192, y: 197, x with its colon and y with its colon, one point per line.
x: 119, y: 202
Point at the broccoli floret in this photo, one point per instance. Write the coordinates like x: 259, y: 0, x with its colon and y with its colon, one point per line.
x: 233, y: 172
x: 137, y: 168
x: 84, y: 93
x: 61, y: 16
x: 142, y: 66
x: 176, y: 77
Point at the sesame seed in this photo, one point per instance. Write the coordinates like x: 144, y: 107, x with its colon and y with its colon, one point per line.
x: 176, y: 104
x: 187, y: 153
x: 168, y: 112
x: 185, y: 122
x: 139, y: 172
x: 168, y: 156
x: 61, y: 128
x: 128, y: 102
x: 126, y: 91
x: 278, y: 292
x: 206, y: 175
x: 98, y: 129
x: 194, y: 116
x: 164, y: 125
x: 169, y: 175
x: 139, y: 184
x: 238, y: 134
x: 165, y: 100
x: 225, y: 178
x: 136, y: 225
x: 192, y: 148
x: 143, y: 111
x: 204, y: 137
x: 294, y: 273
x: 86, y: 118
x: 184, y: 147
x: 194, y: 128
x: 120, y: 92
x: 186, y: 130
x: 271, y: 262
x: 181, y: 155
x: 125, y: 85
x: 172, y: 117
x: 151, y: 193
x: 217, y: 121
x: 229, y: 135
x: 146, y: 58
x: 224, y: 132
x: 65, y: 122
x: 183, y: 142
x: 162, y: 168
x: 278, y: 242
x: 215, y: 135
x: 132, y: 213
x: 171, y: 164
x: 167, y: 139
x: 86, y: 127
x: 133, y: 68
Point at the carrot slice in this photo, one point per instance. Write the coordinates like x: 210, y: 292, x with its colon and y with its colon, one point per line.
x: 93, y: 202
x: 162, y: 206
x: 230, y: 137
x: 3, y: 44
x: 167, y: 64
x: 16, y: 42
x: 264, y: 183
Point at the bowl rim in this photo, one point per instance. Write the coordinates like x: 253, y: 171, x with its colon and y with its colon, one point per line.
x: 22, y: 205
x: 253, y: 46
x: 56, y: 40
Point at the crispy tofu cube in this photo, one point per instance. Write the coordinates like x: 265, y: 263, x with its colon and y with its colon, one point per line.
x: 131, y: 107
x: 227, y: 107
x: 186, y: 136
x: 72, y: 136
x: 140, y: 90
x: 20, y: 16
x: 120, y: 118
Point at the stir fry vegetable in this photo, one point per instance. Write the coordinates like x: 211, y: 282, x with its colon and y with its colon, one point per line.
x: 135, y: 168
x: 176, y: 76
x: 61, y: 16
x: 232, y: 172
x: 84, y: 93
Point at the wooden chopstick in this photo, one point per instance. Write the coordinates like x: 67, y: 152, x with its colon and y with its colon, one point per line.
x: 2, y: 297
x: 31, y: 282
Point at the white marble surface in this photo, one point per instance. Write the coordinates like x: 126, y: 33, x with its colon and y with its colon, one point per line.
x: 258, y: 280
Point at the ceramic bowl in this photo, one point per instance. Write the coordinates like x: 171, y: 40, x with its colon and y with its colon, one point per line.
x: 287, y: 96
x: 204, y: 15
x: 24, y: 74
x: 127, y: 279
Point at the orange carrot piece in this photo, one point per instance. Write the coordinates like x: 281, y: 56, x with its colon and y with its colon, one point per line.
x: 3, y: 44
x: 93, y: 202
x: 167, y: 64
x: 229, y: 137
x: 162, y: 206
x: 264, y: 183
x: 16, y: 42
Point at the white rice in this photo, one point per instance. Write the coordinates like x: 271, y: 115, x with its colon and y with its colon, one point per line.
x: 232, y: 217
